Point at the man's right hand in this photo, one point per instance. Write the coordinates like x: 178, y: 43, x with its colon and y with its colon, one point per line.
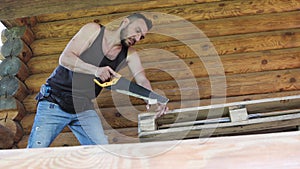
x: 105, y: 73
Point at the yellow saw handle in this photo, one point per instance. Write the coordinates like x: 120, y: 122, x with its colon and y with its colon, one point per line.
x: 113, y: 81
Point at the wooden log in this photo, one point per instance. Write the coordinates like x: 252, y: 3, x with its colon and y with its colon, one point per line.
x: 12, y: 86
x: 30, y: 103
x: 223, y: 152
x: 12, y: 10
x: 7, y: 137
x: 34, y: 82
x: 215, y: 27
x: 189, y: 12
x: 11, y: 108
x: 43, y: 64
x: 28, y: 36
x: 14, y: 127
x: 109, y: 9
x: 12, y: 47
x: 119, y: 136
x: 235, y: 85
x: 223, y: 45
x: 27, y: 123
x: 26, y: 53
x: 22, y: 21
x: 13, y: 66
x: 166, y: 68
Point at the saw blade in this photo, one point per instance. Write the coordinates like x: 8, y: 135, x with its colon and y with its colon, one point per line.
x: 124, y: 86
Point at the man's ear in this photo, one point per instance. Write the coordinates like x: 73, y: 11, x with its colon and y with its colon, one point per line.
x: 125, y: 22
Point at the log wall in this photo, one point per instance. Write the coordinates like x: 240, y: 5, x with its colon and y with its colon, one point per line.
x: 257, y: 43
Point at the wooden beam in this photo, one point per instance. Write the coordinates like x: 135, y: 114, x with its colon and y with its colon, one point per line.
x: 277, y: 150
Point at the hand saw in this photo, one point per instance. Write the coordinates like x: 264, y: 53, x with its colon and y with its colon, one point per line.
x: 124, y: 86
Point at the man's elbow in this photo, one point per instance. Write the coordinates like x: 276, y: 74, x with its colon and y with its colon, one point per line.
x: 63, y: 61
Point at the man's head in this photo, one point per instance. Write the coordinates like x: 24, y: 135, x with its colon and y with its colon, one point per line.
x: 134, y: 29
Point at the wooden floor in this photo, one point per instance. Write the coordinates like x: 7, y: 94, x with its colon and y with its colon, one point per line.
x: 274, y: 151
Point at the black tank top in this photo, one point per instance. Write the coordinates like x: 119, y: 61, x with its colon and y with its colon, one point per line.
x: 82, y: 85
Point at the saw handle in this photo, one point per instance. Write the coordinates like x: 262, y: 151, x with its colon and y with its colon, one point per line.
x: 112, y: 81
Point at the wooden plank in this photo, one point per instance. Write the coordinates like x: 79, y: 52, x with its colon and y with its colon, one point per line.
x: 274, y: 151
x: 34, y: 82
x: 43, y: 64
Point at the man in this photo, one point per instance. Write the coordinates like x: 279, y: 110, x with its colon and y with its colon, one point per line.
x: 66, y: 97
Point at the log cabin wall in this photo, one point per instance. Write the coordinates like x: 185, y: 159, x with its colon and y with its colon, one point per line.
x: 256, y: 41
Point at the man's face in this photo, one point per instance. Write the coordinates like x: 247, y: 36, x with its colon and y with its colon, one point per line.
x: 133, y: 32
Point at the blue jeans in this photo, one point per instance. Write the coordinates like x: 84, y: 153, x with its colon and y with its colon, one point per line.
x: 50, y: 120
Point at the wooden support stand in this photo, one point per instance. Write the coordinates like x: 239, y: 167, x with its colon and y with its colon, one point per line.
x: 233, y: 118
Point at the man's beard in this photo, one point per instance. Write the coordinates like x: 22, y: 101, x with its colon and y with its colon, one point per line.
x: 124, y: 44
x: 123, y: 38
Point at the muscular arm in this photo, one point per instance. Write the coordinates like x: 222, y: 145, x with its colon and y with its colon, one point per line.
x: 138, y: 72
x: 79, y: 43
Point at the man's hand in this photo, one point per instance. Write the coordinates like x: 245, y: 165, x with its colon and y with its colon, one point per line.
x: 161, y: 109
x: 105, y: 73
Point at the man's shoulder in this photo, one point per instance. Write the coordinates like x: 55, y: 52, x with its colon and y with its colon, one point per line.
x: 91, y: 26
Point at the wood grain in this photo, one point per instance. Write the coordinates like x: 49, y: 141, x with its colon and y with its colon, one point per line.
x: 277, y: 150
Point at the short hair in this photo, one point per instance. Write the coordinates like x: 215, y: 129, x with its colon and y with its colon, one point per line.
x: 135, y: 16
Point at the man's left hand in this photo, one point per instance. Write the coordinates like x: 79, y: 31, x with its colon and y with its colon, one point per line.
x: 161, y: 109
